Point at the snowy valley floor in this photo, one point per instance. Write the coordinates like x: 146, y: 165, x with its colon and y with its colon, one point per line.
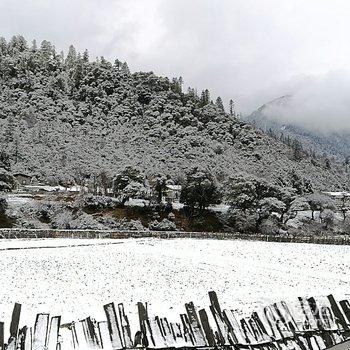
x: 74, y: 278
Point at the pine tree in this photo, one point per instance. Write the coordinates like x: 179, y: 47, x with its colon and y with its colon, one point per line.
x: 86, y: 56
x: 176, y: 85
x: 117, y: 64
x: 61, y: 57
x: 46, y: 49
x: 71, y: 56
x: 205, y: 97
x: 34, y: 47
x: 78, y: 71
x: 125, y: 68
x: 180, y: 83
x: 17, y: 43
x: 3, y: 46
x: 232, y: 108
x: 192, y: 92
x: 220, y: 104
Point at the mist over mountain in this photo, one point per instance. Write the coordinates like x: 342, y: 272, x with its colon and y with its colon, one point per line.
x: 324, y: 134
x: 317, y: 103
x: 64, y: 118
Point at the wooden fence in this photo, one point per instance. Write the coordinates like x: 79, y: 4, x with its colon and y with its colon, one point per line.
x: 323, y: 323
x: 114, y: 234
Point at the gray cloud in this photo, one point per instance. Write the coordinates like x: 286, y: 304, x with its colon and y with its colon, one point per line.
x: 249, y: 50
x: 320, y: 103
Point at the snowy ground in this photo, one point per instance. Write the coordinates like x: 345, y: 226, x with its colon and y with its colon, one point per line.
x: 74, y: 278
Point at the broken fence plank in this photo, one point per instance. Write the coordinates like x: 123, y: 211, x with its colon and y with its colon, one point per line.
x: 53, y: 333
x: 154, y: 334
x: 29, y: 339
x: 143, y: 315
x: 195, y: 325
x: 79, y: 337
x: 178, y: 335
x: 340, y: 319
x: 22, y: 333
x: 187, y: 331
x: 308, y: 323
x: 345, y: 305
x: 67, y: 339
x: 285, y: 317
x: 15, y: 320
x: 140, y: 336
x: 2, y: 337
x: 215, y: 301
x: 167, y: 332
x: 125, y: 326
x: 235, y: 329
x: 206, y: 327
x: 16, y: 313
x: 24, y: 339
x: 40, y: 331
x: 104, y: 336
x: 74, y: 336
x: 91, y: 331
x: 258, y: 330
x: 251, y: 332
x: 113, y: 326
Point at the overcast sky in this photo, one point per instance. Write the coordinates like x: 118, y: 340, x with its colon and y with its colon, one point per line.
x: 250, y: 50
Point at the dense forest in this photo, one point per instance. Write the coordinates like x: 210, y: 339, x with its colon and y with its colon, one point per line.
x: 66, y: 117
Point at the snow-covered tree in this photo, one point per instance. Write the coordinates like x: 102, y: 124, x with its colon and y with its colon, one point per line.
x: 298, y: 205
x: 129, y: 175
x: 3, y: 205
x: 327, y: 217
x: 232, y: 108
x: 259, y: 198
x: 133, y: 190
x: 345, y: 205
x: 319, y: 202
x: 7, y: 181
x: 200, y: 189
x: 220, y: 104
x: 159, y: 185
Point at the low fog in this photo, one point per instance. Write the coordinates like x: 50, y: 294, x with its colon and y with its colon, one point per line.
x: 248, y: 50
x: 318, y: 103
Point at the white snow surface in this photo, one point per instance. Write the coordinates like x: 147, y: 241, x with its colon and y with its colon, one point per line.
x: 76, y: 277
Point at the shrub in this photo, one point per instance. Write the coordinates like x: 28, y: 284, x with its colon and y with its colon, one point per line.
x: 164, y: 225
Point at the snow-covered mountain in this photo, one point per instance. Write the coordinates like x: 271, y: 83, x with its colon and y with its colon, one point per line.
x: 65, y: 119
x: 269, y: 118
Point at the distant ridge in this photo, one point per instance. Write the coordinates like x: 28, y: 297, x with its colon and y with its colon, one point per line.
x: 336, y: 144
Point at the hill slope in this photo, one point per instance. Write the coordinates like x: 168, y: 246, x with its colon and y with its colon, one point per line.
x: 63, y: 118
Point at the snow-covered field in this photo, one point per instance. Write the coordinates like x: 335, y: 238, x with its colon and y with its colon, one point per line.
x: 74, y: 278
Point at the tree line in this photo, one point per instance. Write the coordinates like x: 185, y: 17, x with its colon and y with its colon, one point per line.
x: 255, y: 204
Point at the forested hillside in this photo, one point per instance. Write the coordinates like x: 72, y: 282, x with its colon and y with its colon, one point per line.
x: 63, y: 118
